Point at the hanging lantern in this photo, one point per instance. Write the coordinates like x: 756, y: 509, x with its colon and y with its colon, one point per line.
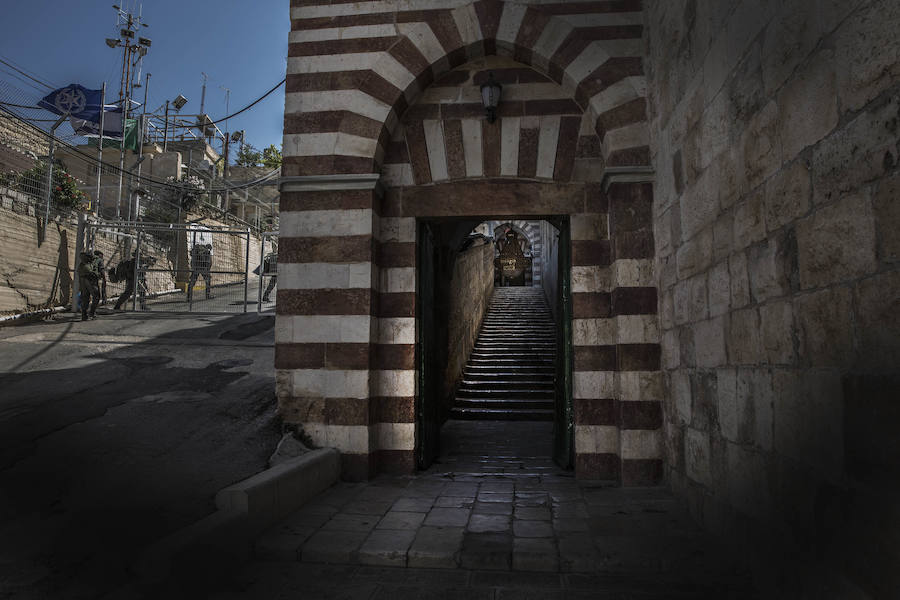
x: 490, y: 97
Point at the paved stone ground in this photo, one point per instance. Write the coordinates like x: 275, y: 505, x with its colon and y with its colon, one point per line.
x: 494, y: 518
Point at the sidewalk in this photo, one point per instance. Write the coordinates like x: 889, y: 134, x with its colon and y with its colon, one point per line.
x: 490, y: 525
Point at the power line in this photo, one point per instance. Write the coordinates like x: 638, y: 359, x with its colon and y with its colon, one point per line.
x: 20, y: 71
x: 278, y: 85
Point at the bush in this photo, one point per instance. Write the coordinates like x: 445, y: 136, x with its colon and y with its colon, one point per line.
x: 33, y: 181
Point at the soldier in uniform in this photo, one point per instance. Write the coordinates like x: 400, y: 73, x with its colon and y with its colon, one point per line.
x: 201, y: 264
x: 90, y: 275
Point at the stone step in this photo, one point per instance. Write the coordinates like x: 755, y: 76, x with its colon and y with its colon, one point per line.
x: 510, y: 394
x: 505, y: 403
x: 500, y: 414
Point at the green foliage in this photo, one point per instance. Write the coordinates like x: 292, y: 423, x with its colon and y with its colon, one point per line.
x: 186, y: 192
x: 33, y: 182
x: 248, y: 156
x: 271, y: 157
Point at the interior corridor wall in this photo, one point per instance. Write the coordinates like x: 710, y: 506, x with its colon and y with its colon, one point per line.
x: 550, y: 281
x: 775, y: 142
x: 471, y: 287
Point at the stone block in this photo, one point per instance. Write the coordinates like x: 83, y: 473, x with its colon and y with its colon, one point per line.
x: 787, y: 41
x: 699, y: 207
x: 755, y: 399
x: 709, y: 342
x: 859, y: 152
x: 867, y: 53
x: 886, y: 206
x: 808, y: 104
x: 778, y: 332
x: 535, y: 554
x: 769, y: 267
x: 749, y: 220
x: 762, y: 146
x: 836, y: 243
x: 719, y: 287
x: 386, y: 547
x: 435, y: 547
x: 740, y: 280
x: 682, y: 301
x: 788, y: 195
x: 825, y: 327
x: 681, y: 392
x: 748, y: 481
x: 662, y: 232
x: 743, y: 337
x: 667, y: 308
x: 697, y: 459
x: 686, y: 346
x: 723, y: 235
x: 878, y: 303
x: 703, y: 400
x: 699, y: 294
x: 670, y: 350
x: 809, y: 419
x: 727, y: 406
x: 695, y: 255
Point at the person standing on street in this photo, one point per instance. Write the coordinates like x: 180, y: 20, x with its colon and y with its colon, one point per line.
x: 90, y: 272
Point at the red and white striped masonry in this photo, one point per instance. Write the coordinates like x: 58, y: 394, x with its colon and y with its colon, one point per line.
x: 389, y: 90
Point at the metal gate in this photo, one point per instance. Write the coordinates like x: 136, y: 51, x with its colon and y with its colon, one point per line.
x: 163, y: 267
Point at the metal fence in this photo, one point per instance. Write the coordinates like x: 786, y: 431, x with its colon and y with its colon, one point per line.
x: 178, y: 268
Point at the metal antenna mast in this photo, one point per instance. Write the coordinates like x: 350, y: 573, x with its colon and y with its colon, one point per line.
x: 132, y: 57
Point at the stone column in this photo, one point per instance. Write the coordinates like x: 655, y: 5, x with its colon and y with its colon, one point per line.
x: 326, y: 321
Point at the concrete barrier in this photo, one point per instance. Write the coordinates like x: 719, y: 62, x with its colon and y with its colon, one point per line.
x: 224, y: 538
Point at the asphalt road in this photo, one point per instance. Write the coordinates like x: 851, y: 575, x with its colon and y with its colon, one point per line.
x: 118, y: 431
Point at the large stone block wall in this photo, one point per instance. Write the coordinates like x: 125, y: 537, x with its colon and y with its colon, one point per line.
x: 472, y: 286
x: 774, y: 128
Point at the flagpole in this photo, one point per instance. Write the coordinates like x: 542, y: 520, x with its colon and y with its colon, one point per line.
x: 100, y: 147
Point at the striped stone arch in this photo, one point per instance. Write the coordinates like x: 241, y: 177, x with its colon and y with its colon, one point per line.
x: 370, y: 149
x: 354, y: 69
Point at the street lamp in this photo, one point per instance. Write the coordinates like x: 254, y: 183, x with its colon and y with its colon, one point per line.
x: 490, y: 97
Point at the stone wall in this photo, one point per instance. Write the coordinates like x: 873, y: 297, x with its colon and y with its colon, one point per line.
x: 775, y: 142
x: 550, y: 280
x: 34, y: 276
x: 472, y: 286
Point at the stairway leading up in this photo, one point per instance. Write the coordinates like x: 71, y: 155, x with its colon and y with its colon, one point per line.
x: 510, y: 373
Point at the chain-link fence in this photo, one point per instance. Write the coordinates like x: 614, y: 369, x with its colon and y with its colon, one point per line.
x: 176, y: 268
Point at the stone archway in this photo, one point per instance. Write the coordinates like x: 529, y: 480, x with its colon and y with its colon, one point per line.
x: 369, y: 149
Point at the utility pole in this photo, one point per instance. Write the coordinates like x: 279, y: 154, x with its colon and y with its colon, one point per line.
x: 132, y: 56
x: 203, y: 77
x: 227, y: 144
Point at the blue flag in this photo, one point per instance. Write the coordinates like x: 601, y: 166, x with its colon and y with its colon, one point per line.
x: 112, y: 123
x: 74, y: 101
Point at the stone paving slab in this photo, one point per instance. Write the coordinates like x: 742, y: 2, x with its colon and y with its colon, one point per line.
x: 467, y: 528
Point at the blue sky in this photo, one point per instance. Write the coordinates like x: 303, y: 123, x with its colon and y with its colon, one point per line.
x: 239, y: 44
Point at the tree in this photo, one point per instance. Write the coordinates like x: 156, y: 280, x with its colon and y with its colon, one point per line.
x: 248, y: 156
x: 271, y: 157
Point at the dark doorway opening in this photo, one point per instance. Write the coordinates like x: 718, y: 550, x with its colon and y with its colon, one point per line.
x: 456, y: 281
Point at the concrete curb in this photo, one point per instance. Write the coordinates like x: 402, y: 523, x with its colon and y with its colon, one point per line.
x: 244, y: 510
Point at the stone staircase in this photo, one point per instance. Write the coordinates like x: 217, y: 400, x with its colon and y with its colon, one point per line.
x: 510, y: 373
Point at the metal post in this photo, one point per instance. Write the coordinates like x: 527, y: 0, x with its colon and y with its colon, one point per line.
x: 137, y: 270
x: 262, y: 262
x: 246, y: 268
x: 122, y: 159
x: 79, y: 248
x: 166, y: 129
x: 49, y: 193
x: 100, y: 148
